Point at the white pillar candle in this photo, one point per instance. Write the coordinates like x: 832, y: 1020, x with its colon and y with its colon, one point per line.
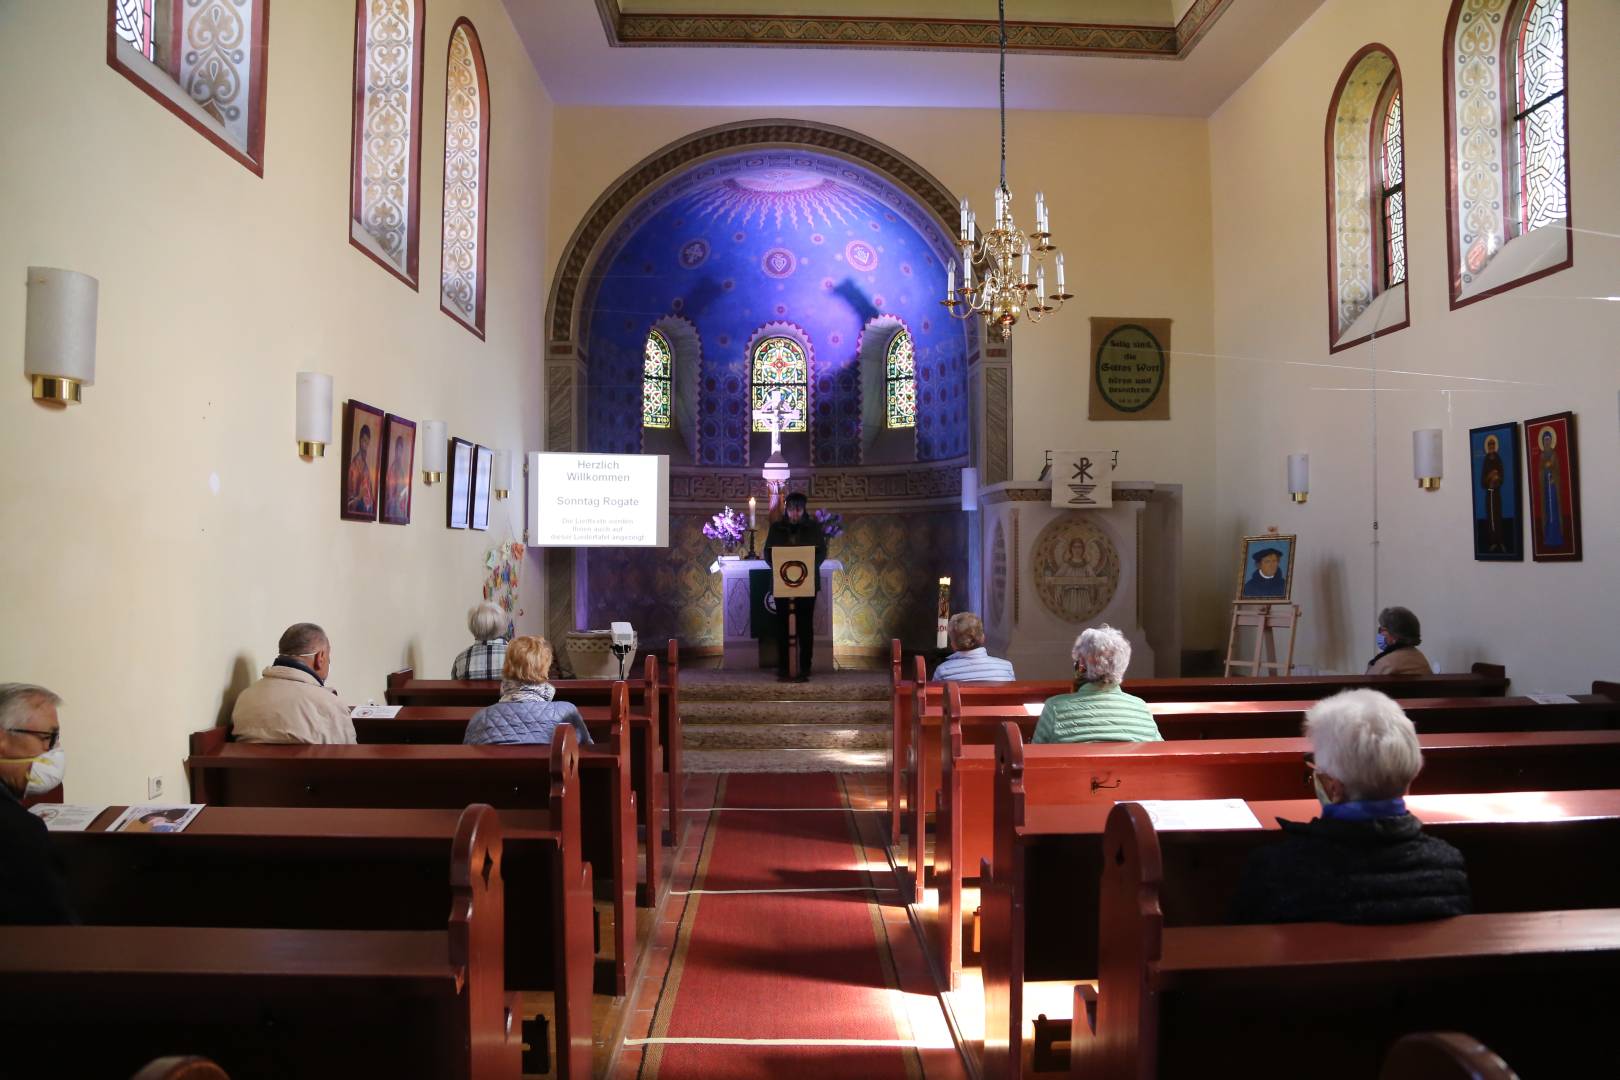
x: 750, y: 511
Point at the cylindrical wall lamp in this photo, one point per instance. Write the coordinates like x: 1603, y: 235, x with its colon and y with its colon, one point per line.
x: 970, y: 488
x: 1427, y: 464
x: 1299, y: 476
x: 500, y: 472
x: 435, y: 448
x: 314, y: 422
x: 59, y: 343
x: 944, y: 612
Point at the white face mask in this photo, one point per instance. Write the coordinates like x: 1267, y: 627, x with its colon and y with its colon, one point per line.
x: 45, y: 771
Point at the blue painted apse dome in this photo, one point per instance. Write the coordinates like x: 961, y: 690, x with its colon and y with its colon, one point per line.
x: 807, y: 245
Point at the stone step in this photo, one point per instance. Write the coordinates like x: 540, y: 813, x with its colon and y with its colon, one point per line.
x: 785, y: 761
x: 836, y: 686
x: 783, y: 712
x: 785, y: 737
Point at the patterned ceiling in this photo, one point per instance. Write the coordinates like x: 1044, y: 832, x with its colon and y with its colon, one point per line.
x: 1161, y: 29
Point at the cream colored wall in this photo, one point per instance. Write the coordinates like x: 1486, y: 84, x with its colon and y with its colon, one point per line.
x: 160, y: 536
x: 1129, y: 202
x: 1536, y: 350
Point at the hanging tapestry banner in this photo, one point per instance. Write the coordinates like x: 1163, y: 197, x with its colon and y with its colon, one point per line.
x: 1130, y: 369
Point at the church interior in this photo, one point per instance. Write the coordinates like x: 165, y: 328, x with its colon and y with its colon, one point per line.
x: 1222, y: 340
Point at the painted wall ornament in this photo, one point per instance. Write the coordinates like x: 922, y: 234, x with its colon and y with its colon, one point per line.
x: 1076, y: 569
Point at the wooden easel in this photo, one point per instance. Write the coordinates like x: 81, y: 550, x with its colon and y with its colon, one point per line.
x: 1264, y: 620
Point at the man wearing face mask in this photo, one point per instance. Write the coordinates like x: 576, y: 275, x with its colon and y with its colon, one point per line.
x: 32, y: 892
x: 1399, y: 636
x: 1365, y: 859
x: 291, y: 702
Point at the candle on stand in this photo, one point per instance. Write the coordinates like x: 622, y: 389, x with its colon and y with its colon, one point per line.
x: 942, y: 637
x: 750, y: 511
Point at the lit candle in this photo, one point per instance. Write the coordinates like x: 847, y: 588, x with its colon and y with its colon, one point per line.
x: 1060, y: 272
x: 750, y: 511
x: 950, y: 281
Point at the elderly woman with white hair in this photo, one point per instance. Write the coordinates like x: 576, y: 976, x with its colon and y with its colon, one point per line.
x: 484, y: 658
x: 1098, y: 710
x: 1365, y: 860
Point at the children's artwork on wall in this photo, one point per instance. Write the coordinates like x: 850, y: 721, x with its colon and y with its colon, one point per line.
x: 504, y: 563
x: 483, y: 456
x: 1493, y: 467
x: 1265, y: 569
x: 459, y: 494
x: 1553, y: 471
x: 362, y: 450
x: 398, y: 464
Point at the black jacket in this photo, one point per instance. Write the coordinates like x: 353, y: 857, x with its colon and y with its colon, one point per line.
x: 807, y: 533
x: 32, y: 892
x: 1386, y: 870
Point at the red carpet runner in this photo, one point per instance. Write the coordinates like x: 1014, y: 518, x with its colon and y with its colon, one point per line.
x: 787, y: 983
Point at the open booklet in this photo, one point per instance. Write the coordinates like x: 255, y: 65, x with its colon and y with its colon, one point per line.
x: 374, y: 712
x: 66, y: 817
x: 1177, y: 814
x: 156, y: 817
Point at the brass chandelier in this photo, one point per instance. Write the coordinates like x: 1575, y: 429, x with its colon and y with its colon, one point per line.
x: 996, y: 281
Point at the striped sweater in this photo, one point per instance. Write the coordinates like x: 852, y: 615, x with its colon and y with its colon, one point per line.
x: 1097, y: 712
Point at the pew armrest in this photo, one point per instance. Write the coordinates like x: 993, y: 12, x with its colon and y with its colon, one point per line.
x: 1082, y: 1029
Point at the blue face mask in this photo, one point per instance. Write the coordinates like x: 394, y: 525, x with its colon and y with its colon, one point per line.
x: 1382, y: 641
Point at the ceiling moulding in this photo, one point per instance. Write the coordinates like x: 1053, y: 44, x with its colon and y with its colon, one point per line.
x: 827, y: 31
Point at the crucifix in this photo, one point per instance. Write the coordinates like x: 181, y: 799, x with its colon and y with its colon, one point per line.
x: 776, y: 413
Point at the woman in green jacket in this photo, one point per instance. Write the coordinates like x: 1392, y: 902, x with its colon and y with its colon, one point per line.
x: 1098, y: 711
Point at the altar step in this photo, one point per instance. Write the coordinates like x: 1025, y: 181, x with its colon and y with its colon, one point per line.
x: 776, y: 713
x: 762, y: 736
x: 750, y: 722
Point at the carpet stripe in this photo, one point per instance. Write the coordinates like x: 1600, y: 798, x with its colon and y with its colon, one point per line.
x: 700, y: 1041
x: 769, y: 892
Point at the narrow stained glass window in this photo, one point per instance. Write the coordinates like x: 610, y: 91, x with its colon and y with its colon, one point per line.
x: 1394, y: 194
x: 901, y: 369
x: 466, y: 148
x: 656, y: 368
x: 780, y: 368
x: 1543, y: 181
x: 387, y: 139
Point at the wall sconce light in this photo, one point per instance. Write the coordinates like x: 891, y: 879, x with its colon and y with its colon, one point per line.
x: 1427, y: 464
x: 314, y: 414
x: 500, y: 473
x: 59, y: 343
x: 1299, y: 477
x: 435, y: 448
x: 944, y: 612
x: 970, y: 488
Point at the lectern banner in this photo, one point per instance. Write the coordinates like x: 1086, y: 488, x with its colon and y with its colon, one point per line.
x: 793, y: 571
x: 1082, y: 479
x: 1130, y: 369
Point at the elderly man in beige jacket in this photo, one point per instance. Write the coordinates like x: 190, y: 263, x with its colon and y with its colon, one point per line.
x: 291, y: 702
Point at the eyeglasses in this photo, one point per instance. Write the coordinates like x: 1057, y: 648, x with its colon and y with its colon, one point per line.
x: 1310, y: 770
x: 49, y: 738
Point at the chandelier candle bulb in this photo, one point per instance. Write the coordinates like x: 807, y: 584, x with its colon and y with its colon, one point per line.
x: 967, y: 270
x: 962, y: 228
x: 950, y: 282
x: 1025, y: 275
x: 973, y: 227
x: 1060, y: 271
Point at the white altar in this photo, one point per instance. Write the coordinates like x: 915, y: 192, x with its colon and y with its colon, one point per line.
x: 743, y: 652
x: 1049, y: 573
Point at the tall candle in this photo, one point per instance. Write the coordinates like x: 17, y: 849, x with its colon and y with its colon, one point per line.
x: 950, y: 281
x: 1025, y: 275
x: 1060, y: 271
x: 750, y: 511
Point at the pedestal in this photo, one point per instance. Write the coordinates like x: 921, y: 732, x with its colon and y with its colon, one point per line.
x: 1050, y: 572
x: 744, y: 652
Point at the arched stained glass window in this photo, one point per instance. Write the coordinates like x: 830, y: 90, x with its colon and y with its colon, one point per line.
x: 203, y: 60
x: 901, y: 371
x: 1393, y: 176
x: 780, y: 368
x: 466, y: 187
x: 386, y: 164
x: 1538, y: 119
x: 656, y: 373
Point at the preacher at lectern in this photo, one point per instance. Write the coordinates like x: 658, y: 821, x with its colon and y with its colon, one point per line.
x: 796, y: 528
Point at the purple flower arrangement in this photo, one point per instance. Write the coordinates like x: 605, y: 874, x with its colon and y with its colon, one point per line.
x: 832, y: 525
x: 728, y: 527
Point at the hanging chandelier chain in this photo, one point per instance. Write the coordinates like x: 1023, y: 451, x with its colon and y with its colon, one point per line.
x: 1001, y: 13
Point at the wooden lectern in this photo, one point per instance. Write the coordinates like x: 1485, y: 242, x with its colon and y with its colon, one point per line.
x: 793, y: 574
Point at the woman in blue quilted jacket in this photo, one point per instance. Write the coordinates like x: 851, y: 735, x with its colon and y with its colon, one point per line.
x: 525, y: 712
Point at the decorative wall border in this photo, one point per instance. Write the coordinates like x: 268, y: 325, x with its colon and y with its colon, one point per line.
x: 871, y: 32
x: 859, y: 488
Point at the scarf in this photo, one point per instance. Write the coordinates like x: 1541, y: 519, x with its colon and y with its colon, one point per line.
x: 512, y: 690
x: 1364, y: 810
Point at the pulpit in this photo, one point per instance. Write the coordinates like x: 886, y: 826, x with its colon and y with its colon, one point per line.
x: 744, y: 651
x: 1050, y: 572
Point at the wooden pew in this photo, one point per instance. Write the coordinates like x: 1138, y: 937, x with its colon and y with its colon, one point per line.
x: 902, y: 694
x: 405, y: 689
x: 1173, y: 996
x: 1103, y: 773
x: 446, y: 725
x: 226, y: 773
x: 924, y: 715
x: 1241, y: 720
x: 181, y: 1068
x: 1443, y: 1055
x: 100, y: 1000
x: 359, y: 869
x: 1525, y: 851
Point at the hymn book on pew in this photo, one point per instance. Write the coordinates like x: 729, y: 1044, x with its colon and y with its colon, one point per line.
x: 374, y: 712
x: 156, y: 817
x: 1180, y: 814
x: 66, y: 817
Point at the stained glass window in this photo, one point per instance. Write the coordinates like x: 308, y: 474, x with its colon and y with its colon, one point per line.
x: 1393, y: 168
x: 656, y: 369
x: 780, y: 369
x: 133, y: 22
x: 466, y: 148
x: 387, y: 124
x: 1543, y: 179
x: 901, y: 369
